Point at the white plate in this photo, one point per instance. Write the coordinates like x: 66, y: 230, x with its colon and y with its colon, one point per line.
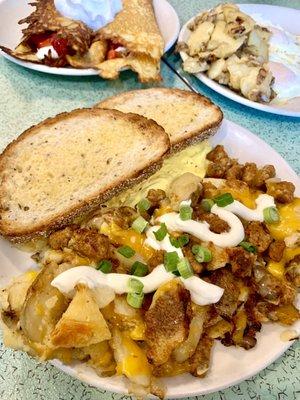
x: 11, y: 11
x: 288, y: 19
x: 229, y: 365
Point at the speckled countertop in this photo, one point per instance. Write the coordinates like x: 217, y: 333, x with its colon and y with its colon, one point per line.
x: 27, y: 97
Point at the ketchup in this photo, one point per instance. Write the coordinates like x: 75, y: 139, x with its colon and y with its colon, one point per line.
x: 59, y: 44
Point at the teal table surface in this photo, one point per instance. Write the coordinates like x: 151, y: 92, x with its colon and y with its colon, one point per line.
x: 27, y: 97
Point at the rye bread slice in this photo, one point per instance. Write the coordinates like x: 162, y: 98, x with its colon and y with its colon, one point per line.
x: 70, y: 164
x: 187, y: 117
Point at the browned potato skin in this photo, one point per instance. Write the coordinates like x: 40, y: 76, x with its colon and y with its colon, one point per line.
x: 35, y: 322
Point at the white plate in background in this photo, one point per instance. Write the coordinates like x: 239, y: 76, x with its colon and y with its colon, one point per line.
x: 229, y: 365
x: 12, y: 11
x: 288, y: 19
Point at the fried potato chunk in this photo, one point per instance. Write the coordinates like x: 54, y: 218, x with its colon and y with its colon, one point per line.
x: 82, y: 324
x: 166, y: 321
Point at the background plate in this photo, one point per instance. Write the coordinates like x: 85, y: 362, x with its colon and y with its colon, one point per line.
x: 229, y: 365
x: 11, y: 11
x: 288, y: 19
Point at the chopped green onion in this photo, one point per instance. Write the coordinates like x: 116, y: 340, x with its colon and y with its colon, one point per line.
x: 271, y: 215
x: 202, y: 254
x: 174, y: 241
x: 249, y: 247
x: 224, y: 200
x: 161, y: 233
x: 104, y: 266
x: 183, y: 240
x: 184, y: 268
x: 139, y: 269
x: 139, y: 224
x: 207, y: 204
x: 126, y: 251
x: 135, y: 286
x: 185, y: 212
x: 135, y: 300
x: 170, y: 261
x: 143, y: 205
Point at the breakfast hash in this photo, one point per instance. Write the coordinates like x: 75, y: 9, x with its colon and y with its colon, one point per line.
x: 145, y: 291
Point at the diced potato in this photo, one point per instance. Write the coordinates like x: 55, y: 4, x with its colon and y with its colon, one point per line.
x: 82, y: 324
x: 258, y: 43
x: 199, y: 37
x: 216, y: 68
x: 222, y: 44
x: 194, y: 65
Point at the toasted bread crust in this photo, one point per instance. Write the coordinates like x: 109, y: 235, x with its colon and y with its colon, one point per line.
x: 194, y: 136
x: 90, y: 203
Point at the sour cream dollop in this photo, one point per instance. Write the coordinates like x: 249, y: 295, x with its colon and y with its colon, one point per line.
x: 202, y: 293
x: 94, y: 13
x: 45, y: 51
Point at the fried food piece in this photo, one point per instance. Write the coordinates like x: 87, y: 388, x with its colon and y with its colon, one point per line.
x: 185, y: 187
x: 219, y: 257
x: 228, y: 303
x: 209, y: 190
x: 90, y: 243
x: 59, y: 240
x: 257, y: 234
x: 283, y: 191
x: 82, y: 324
x: 124, y: 216
x: 235, y: 172
x: 276, y: 250
x: 215, y: 170
x: 271, y: 289
x: 264, y: 173
x: 200, y: 360
x: 241, y: 261
x: 197, y: 267
x: 155, y: 260
x: 156, y: 196
x: 218, y: 155
x: 166, y: 321
x: 293, y: 271
x: 249, y: 174
x: 216, y: 224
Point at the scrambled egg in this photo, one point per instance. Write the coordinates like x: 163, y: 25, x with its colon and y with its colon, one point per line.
x: 192, y: 159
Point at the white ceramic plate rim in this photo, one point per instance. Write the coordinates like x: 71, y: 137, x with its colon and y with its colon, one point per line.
x: 235, y: 139
x: 225, y: 91
x: 161, y: 8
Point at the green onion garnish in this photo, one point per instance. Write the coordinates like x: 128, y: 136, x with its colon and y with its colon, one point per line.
x: 185, y: 212
x: 249, y: 247
x: 104, y: 266
x: 139, y: 269
x: 271, y: 215
x: 135, y: 286
x: 126, y: 251
x: 202, y: 254
x: 174, y: 241
x: 139, y: 224
x: 171, y: 260
x: 207, y: 204
x: 135, y: 300
x: 184, y: 268
x: 183, y: 240
x: 161, y: 233
x: 143, y: 205
x: 224, y: 200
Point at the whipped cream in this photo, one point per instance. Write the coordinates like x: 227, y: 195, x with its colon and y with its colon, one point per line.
x: 94, y: 13
x: 202, y: 293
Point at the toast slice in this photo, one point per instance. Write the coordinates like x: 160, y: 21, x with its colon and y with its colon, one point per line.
x: 187, y: 117
x: 68, y: 165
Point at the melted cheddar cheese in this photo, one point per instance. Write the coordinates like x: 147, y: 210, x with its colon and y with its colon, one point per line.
x: 277, y: 268
x: 135, y: 362
x: 289, y: 220
x: 128, y: 237
x: 243, y: 194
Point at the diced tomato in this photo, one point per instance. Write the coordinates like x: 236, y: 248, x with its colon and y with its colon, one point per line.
x: 111, y: 54
x: 51, y: 39
x: 60, y: 45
